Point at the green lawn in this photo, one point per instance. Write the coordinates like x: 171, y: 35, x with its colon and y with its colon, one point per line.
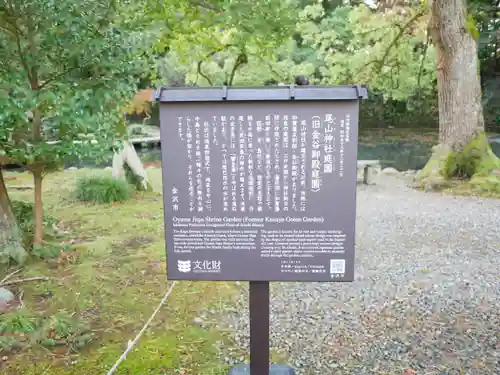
x: 99, y: 297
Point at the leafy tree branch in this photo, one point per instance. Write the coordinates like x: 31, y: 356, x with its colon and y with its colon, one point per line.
x: 240, y: 60
x: 399, y: 35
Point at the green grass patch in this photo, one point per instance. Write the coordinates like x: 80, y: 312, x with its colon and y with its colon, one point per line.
x: 103, y: 189
x: 21, y: 329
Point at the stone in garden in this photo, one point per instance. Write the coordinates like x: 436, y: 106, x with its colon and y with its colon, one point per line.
x: 390, y: 171
x: 198, y: 320
x: 6, y: 297
x: 71, y: 169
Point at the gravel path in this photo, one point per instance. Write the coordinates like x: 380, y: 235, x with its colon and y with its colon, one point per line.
x: 426, y: 299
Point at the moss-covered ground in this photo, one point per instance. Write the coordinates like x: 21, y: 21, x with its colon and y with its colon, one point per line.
x: 473, y: 170
x: 102, y: 291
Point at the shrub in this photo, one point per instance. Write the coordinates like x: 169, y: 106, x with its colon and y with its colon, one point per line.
x: 132, y: 179
x: 102, y: 189
x: 21, y: 328
x: 49, y: 250
x: 63, y: 328
x: 23, y: 212
x: 8, y: 344
x: 476, y: 157
x: 461, y: 165
x: 486, y: 185
x: 19, y: 321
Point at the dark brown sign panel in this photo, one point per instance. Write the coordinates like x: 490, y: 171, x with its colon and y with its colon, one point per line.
x: 257, y: 186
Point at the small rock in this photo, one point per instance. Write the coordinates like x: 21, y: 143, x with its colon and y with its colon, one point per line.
x: 198, y: 320
x: 108, y: 169
x: 6, y: 295
x: 71, y: 169
x: 390, y: 171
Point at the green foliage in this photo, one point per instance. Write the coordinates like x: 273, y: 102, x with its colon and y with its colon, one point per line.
x: 66, y: 70
x: 103, y: 189
x: 132, y: 179
x: 21, y: 328
x: 486, y: 185
x: 386, y: 51
x: 73, y: 63
x: 214, y: 41
x: 48, y: 250
x: 64, y: 329
x: 333, y: 42
x: 13, y: 250
x: 23, y: 212
x: 333, y: 45
x: 471, y: 26
x: 8, y: 343
x: 461, y: 165
x: 476, y: 157
x: 20, y: 321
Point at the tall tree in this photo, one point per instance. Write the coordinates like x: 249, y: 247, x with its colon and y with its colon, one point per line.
x: 463, y: 149
x: 403, y: 48
x: 457, y: 71
x: 66, y: 66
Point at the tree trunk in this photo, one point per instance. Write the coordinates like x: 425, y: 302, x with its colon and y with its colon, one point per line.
x: 38, y: 207
x: 37, y: 171
x: 36, y: 126
x: 461, y: 121
x: 5, y: 208
x: 10, y: 236
x: 458, y: 80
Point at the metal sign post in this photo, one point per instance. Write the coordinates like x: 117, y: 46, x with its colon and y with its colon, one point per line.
x: 259, y: 327
x: 259, y: 185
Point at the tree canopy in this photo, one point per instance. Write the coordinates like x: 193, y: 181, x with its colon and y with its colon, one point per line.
x: 65, y: 67
x: 384, y: 44
x: 68, y: 69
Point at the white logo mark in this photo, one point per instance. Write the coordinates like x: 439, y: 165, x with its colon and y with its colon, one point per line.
x: 184, y: 265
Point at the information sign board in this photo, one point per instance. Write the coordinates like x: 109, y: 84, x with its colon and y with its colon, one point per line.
x: 259, y: 184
